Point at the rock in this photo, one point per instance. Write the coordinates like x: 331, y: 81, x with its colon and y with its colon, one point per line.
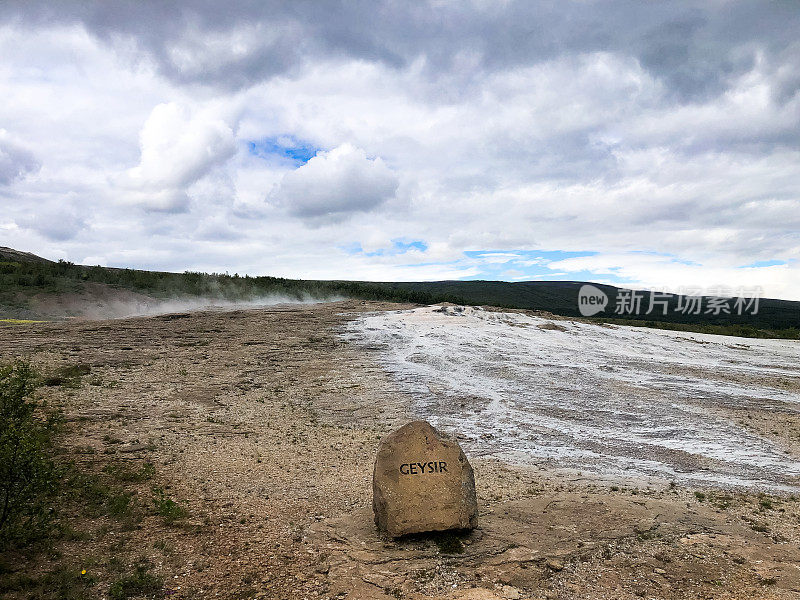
x: 643, y: 526
x: 476, y: 594
x: 511, y: 593
x: 422, y: 482
x: 555, y: 565
x: 133, y: 448
x: 518, y: 554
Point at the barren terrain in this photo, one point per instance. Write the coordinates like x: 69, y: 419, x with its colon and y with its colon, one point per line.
x: 263, y: 424
x: 615, y: 401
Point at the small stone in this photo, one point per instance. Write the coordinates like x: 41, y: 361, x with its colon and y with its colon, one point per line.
x: 509, y: 592
x: 422, y: 482
x: 133, y: 448
x: 643, y: 526
x: 659, y: 571
x: 555, y: 565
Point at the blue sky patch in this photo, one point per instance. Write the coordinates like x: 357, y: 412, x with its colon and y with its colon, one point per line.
x: 497, y: 265
x: 402, y: 245
x: 530, y: 265
x: 283, y: 147
x: 764, y: 263
x: 399, y: 246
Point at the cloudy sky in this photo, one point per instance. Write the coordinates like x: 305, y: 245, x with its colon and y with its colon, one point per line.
x: 641, y: 143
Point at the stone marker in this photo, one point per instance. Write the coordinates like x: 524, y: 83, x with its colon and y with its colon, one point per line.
x: 422, y: 482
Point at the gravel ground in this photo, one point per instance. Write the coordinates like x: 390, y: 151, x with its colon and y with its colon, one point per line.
x: 264, y: 423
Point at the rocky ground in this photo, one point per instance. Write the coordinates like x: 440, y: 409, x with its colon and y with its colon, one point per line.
x: 261, y: 428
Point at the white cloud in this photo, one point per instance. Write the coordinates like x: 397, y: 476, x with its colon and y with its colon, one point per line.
x: 664, y: 273
x: 178, y: 147
x: 497, y: 257
x: 334, y: 184
x: 16, y: 161
x: 645, y: 138
x: 59, y: 224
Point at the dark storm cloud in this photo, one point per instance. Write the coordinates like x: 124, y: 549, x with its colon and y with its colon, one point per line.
x: 696, y: 51
x: 693, y: 47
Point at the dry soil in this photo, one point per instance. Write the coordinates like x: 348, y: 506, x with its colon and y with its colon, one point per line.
x: 264, y: 425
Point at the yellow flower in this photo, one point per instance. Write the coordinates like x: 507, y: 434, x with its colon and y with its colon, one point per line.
x: 83, y: 572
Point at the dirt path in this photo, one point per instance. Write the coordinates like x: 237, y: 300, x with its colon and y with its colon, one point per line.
x: 264, y: 423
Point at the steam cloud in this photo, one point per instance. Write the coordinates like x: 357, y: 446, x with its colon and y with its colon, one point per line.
x: 143, y: 306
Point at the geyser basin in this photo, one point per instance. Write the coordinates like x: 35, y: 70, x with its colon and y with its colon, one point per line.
x: 616, y: 401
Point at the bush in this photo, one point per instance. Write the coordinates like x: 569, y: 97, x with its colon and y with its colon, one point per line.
x: 27, y: 474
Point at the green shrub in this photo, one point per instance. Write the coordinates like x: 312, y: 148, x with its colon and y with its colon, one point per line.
x: 165, y: 506
x: 28, y: 476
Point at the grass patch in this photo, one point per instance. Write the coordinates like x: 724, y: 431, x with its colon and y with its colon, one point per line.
x: 722, y: 502
x: 37, y: 475
x: 120, y: 504
x: 164, y: 546
x: 62, y: 583
x: 141, y: 582
x: 131, y: 475
x: 68, y: 376
x: 20, y: 321
x: 166, y: 507
x: 787, y: 331
x: 765, y: 504
x: 28, y: 475
x: 99, y: 498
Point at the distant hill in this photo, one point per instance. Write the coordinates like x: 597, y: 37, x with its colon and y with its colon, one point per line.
x: 34, y: 287
x: 561, y: 298
x: 9, y: 254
